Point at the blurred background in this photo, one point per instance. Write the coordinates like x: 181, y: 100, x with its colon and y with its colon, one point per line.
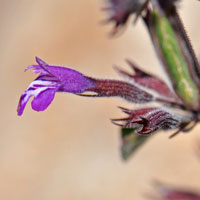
x: 71, y: 150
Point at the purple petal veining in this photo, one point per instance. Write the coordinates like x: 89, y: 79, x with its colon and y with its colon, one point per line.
x: 52, y: 79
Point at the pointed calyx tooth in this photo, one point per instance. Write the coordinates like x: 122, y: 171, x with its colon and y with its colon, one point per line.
x: 148, y: 81
x: 149, y: 120
x: 122, y: 9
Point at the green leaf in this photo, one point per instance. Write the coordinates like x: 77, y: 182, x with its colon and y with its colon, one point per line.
x: 167, y: 43
x: 131, y: 142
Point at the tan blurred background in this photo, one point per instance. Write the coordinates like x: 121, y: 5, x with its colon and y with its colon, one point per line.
x: 71, y: 151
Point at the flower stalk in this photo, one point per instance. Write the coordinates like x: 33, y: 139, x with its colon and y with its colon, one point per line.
x: 175, y: 108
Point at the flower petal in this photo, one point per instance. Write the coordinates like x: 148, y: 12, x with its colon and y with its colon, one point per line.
x: 70, y: 79
x: 22, y: 103
x: 34, y: 89
x: 37, y: 69
x: 51, y: 80
x: 43, y: 99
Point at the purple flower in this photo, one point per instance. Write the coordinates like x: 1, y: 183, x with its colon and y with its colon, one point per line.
x: 52, y: 79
